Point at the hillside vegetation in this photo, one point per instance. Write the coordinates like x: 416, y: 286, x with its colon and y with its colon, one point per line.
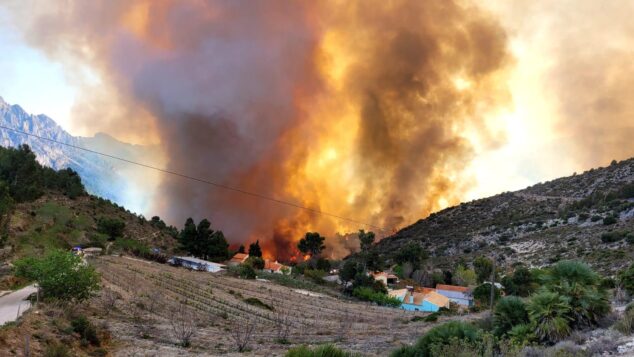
x: 589, y: 216
x: 42, y: 209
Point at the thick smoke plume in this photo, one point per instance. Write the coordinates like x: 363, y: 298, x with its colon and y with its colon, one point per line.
x: 367, y: 109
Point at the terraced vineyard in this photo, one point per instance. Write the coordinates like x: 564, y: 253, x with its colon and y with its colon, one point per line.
x: 217, y: 304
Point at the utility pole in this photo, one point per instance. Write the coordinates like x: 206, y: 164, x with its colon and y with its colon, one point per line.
x: 492, y: 283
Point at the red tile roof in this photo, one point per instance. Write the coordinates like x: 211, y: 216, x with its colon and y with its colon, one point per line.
x: 273, y: 266
x: 461, y: 289
x: 239, y: 258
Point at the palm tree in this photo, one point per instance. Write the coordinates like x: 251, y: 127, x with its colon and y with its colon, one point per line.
x: 509, y: 312
x: 571, y: 272
x: 580, y: 284
x: 550, y: 314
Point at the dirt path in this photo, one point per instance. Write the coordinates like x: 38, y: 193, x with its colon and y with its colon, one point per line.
x: 13, y: 305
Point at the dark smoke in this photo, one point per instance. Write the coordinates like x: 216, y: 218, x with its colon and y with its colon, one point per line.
x: 241, y: 93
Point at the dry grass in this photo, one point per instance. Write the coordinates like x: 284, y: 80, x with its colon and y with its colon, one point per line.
x: 217, y: 301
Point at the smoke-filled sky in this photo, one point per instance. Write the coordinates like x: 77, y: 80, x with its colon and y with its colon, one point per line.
x: 380, y: 111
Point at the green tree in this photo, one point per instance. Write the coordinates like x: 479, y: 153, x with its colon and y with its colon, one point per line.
x: 323, y: 264
x: 509, y: 312
x: 463, y: 276
x: 521, y: 283
x: 245, y: 271
x: 187, y: 237
x: 482, y: 294
x: 366, y: 239
x: 581, y: 286
x: 412, y: 253
x: 374, y: 261
x: 483, y: 267
x: 312, y: 244
x: 550, y: 314
x: 112, y: 227
x: 27, y: 179
x: 203, y: 242
x: 241, y: 249
x: 255, y: 250
x: 347, y: 272
x: 157, y: 222
x: 6, y: 206
x: 217, y: 248
x: 255, y: 262
x: 61, y: 275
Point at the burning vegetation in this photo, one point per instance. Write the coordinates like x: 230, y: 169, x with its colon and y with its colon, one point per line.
x: 366, y: 109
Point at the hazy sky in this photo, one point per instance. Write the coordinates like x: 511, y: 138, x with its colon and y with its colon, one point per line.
x: 30, y: 79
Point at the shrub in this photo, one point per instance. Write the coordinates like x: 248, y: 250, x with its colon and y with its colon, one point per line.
x: 550, y: 313
x: 317, y: 276
x: 509, y: 312
x: 522, y: 334
x: 433, y: 317
x: 86, y: 330
x: 626, y: 279
x: 246, y: 272
x: 323, y: 264
x: 61, y: 275
x: 57, y: 350
x: 482, y: 294
x: 367, y: 294
x: 112, y: 227
x: 441, y: 335
x: 626, y: 324
x: 257, y: 302
x: 321, y: 351
x: 609, y: 220
x: 611, y: 237
x: 255, y: 262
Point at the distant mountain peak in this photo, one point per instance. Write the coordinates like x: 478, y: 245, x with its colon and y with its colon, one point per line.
x: 100, y: 175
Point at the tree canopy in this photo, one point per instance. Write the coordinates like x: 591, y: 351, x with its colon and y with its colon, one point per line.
x: 26, y: 179
x: 203, y: 242
x: 312, y: 244
x: 366, y: 239
x: 61, y: 275
x: 255, y: 250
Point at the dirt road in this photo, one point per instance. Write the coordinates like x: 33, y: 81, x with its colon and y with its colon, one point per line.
x: 13, y: 305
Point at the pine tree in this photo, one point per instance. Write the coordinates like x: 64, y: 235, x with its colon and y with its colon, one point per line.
x: 255, y: 250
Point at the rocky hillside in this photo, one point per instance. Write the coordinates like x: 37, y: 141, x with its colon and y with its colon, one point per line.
x: 589, y: 216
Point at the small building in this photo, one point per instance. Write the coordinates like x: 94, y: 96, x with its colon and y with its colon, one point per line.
x: 429, y: 301
x: 239, y: 258
x: 197, y: 264
x: 275, y: 267
x: 92, y: 251
x: 460, y: 295
x: 385, y: 278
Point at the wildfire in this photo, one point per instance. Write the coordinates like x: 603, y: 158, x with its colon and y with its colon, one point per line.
x: 364, y: 109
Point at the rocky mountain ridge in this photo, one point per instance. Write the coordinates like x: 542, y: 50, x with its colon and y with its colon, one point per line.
x: 102, y: 176
x: 588, y: 216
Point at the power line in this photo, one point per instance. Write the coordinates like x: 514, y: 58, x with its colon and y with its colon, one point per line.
x: 208, y: 182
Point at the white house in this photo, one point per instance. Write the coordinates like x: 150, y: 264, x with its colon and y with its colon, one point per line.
x: 197, y: 264
x: 385, y: 278
x: 457, y: 294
